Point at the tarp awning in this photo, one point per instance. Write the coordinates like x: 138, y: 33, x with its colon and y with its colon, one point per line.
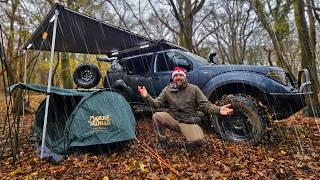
x: 78, y: 33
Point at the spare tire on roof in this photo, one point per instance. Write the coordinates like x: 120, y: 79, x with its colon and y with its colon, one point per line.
x: 86, y: 76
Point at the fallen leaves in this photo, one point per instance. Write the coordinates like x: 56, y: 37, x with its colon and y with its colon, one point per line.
x: 57, y: 169
x: 16, y: 172
x: 282, y: 152
x: 237, y: 167
x: 292, y: 153
x: 142, y: 168
x: 271, y: 159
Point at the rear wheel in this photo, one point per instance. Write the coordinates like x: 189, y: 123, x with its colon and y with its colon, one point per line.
x: 248, y: 123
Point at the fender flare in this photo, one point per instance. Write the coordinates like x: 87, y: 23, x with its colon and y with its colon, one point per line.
x: 256, y: 80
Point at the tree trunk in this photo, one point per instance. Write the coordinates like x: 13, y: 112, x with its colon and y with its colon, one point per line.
x: 65, y: 71
x: 55, y: 70
x: 10, y: 46
x: 313, y: 41
x: 306, y: 40
x: 269, y: 53
x: 184, y: 14
x: 187, y: 28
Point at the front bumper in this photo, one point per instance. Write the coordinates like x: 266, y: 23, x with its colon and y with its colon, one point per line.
x: 286, y: 104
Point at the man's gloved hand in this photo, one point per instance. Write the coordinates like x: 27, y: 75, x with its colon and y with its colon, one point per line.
x: 226, y: 110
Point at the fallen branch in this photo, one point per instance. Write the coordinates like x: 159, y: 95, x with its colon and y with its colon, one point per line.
x: 154, y: 154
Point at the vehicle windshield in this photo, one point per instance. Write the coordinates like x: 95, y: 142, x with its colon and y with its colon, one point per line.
x: 197, y: 58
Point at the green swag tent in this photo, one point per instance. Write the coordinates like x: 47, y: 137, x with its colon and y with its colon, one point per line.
x: 82, y: 118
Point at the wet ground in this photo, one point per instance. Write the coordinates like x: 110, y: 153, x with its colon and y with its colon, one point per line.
x: 292, y: 152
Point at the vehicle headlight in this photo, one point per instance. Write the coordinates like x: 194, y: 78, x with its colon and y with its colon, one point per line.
x: 279, y: 76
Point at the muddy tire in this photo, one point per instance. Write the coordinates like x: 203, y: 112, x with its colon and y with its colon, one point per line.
x: 86, y: 76
x: 248, y: 123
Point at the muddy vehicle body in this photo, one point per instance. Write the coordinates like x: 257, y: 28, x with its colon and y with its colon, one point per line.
x: 257, y: 93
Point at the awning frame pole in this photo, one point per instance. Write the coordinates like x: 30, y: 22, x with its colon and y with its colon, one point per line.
x: 56, y: 13
x: 24, y: 81
x: 25, y: 66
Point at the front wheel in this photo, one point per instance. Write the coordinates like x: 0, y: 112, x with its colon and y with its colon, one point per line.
x: 248, y: 122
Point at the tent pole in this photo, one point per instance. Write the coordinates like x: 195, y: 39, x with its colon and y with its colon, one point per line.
x: 49, y: 81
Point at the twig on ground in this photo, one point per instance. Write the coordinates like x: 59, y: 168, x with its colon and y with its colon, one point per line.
x: 149, y: 150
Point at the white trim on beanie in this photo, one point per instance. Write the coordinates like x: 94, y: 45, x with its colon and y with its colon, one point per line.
x: 178, y: 72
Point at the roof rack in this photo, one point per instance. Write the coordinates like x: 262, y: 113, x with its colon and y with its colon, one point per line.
x: 145, y: 48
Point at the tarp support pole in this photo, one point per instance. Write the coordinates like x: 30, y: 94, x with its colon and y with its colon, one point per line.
x: 25, y: 66
x: 49, y: 82
x: 24, y: 81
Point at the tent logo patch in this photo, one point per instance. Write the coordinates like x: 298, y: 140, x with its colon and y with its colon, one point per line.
x: 99, y: 121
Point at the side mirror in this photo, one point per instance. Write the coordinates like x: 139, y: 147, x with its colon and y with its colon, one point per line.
x: 211, y: 57
x: 183, y: 63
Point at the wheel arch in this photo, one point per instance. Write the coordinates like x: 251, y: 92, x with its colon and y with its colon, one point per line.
x: 239, y: 88
x: 239, y: 82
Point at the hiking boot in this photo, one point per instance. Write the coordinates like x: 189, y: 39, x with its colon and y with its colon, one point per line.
x: 194, y: 144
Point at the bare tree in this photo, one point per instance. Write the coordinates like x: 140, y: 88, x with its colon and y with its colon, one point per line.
x: 10, y: 11
x: 275, y: 23
x: 183, y: 12
x: 316, y: 11
x: 233, y: 24
x: 307, y: 42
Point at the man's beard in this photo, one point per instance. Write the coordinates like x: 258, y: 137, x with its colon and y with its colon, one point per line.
x: 180, y: 83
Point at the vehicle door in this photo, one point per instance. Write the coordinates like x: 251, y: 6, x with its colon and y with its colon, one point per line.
x: 138, y: 71
x: 164, y: 64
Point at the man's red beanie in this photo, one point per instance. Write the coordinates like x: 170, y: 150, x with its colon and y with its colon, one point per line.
x: 178, y: 70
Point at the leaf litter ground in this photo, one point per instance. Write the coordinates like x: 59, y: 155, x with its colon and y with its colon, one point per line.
x: 291, y: 152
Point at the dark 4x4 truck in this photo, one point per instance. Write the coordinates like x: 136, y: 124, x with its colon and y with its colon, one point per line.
x: 257, y: 93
